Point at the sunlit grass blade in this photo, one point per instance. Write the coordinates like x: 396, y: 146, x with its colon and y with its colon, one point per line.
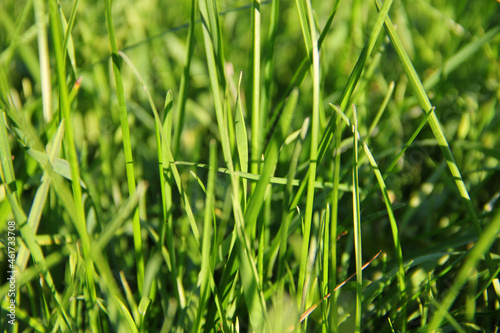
x: 241, y: 140
x: 269, y: 63
x: 255, y: 99
x: 313, y: 157
x: 357, y: 228
x: 41, y: 196
x: 43, y: 55
x: 388, y: 204
x: 127, y: 147
x: 436, y: 128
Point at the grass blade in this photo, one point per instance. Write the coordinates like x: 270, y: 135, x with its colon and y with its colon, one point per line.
x: 436, y: 128
x: 127, y: 147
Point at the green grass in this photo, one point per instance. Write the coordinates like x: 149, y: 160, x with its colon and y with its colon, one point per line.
x: 262, y: 166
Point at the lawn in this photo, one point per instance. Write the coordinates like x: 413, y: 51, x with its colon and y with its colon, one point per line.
x: 250, y: 166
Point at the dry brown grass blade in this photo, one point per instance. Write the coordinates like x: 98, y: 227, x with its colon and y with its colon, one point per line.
x: 313, y: 307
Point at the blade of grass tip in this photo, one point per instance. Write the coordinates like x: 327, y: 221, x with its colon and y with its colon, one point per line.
x: 357, y: 227
x: 241, y: 140
x: 80, y: 223
x: 207, y: 236
x: 43, y: 54
x: 436, y: 128
x: 313, y: 157
x: 127, y: 147
x: 392, y: 219
x: 184, y: 86
x: 479, y: 250
x: 41, y: 195
x: 255, y: 104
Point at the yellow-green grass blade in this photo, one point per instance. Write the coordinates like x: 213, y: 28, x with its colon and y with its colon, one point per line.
x: 357, y: 228
x: 436, y: 127
x: 268, y: 61
x: 255, y: 98
x: 299, y: 74
x: 127, y: 147
x: 41, y: 195
x: 43, y: 56
x: 59, y: 165
x: 168, y: 230
x: 241, y: 140
x: 313, y: 156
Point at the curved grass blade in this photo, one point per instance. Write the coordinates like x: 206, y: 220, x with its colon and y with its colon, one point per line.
x: 436, y: 128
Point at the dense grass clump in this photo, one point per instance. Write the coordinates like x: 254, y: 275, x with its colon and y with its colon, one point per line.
x: 264, y: 166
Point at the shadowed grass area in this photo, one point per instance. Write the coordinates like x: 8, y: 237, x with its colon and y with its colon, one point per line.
x: 261, y: 166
